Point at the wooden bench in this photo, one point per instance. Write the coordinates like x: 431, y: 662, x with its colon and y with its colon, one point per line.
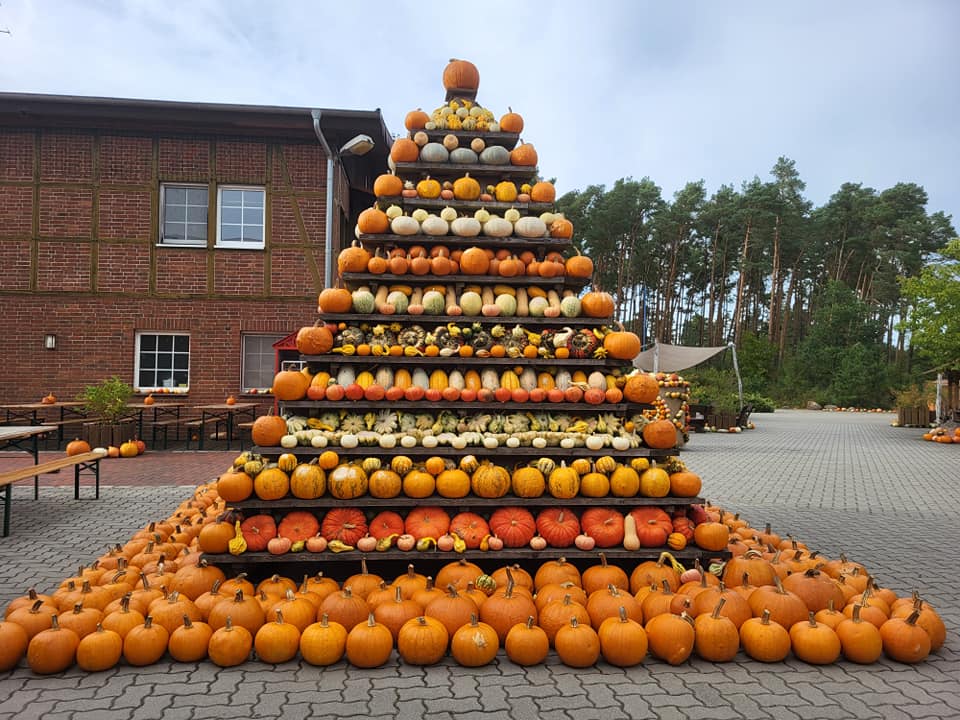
x: 89, y: 461
x: 200, y: 426
x: 162, y: 427
x: 63, y: 425
x: 245, y: 429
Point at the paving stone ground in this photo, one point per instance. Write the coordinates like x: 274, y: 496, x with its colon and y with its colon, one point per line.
x: 840, y: 482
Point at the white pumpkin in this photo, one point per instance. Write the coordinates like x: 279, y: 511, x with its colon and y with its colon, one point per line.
x: 346, y: 376
x: 539, y: 443
x: 288, y: 441
x: 482, y: 215
x: 463, y: 156
x: 495, y: 155
x: 512, y: 442
x: 455, y: 380
x: 318, y: 441
x: 404, y: 225
x: 429, y: 441
x: 594, y: 442
x: 471, y: 303
x: 490, y: 442
x: 568, y: 443
x: 388, y: 441
x: 511, y: 215
x: 458, y: 442
x: 620, y: 443
x: 466, y: 226
x: 408, y: 441
x: 507, y: 305
x: 530, y: 227
x: 434, y: 153
x: 420, y: 378
x: 435, y: 226
x: 497, y: 227
x: 537, y: 305
x: 349, y: 440
x: 562, y: 379
x: 419, y: 215
x: 597, y: 379
x: 528, y: 379
x: 570, y: 306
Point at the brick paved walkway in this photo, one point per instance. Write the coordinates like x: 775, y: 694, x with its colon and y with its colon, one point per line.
x: 839, y: 482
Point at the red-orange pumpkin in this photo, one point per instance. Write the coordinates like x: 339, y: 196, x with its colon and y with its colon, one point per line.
x: 267, y: 430
x: 298, y: 525
x: 558, y: 526
x: 345, y: 524
x: 660, y: 434
x: 257, y: 531
x: 605, y: 525
x: 653, y: 526
x: 385, y: 524
x: 335, y: 300
x: 314, y: 340
x: 388, y: 184
x: 597, y: 304
x: 514, y: 525
x: 78, y: 446
x: 461, y: 75
x: 641, y: 388
x: 471, y: 527
x: 424, y: 522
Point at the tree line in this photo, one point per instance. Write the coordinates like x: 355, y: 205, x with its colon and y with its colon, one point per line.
x: 812, y: 296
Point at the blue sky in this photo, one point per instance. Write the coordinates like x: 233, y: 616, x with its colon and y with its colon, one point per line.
x: 852, y: 91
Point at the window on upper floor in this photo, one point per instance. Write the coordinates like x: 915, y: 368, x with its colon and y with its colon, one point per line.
x: 183, y: 214
x: 185, y: 209
x: 162, y: 361
x: 257, y: 370
x: 240, y: 222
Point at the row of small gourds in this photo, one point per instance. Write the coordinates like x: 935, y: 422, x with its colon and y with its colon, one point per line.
x: 785, y: 599
x: 374, y: 221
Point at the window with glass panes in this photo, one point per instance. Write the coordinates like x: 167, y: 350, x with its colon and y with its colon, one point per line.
x: 240, y: 218
x: 183, y: 214
x: 163, y: 361
x: 258, y: 361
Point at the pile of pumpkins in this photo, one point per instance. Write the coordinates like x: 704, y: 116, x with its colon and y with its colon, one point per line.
x: 127, y: 449
x: 945, y: 436
x: 155, y: 596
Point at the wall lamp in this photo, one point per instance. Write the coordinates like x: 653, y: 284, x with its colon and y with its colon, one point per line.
x: 50, y: 342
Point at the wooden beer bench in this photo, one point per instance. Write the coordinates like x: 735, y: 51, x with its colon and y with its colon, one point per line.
x: 83, y: 462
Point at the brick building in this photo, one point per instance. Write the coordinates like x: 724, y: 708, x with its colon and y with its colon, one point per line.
x: 170, y: 244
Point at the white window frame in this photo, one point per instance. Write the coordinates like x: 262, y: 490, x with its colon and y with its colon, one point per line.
x: 243, y: 360
x: 241, y: 244
x: 136, y: 363
x: 181, y: 243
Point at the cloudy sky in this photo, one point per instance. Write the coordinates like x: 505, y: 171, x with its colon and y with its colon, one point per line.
x: 863, y: 91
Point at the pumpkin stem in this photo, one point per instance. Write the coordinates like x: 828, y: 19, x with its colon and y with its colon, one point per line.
x: 716, y: 611
x: 912, y: 620
x: 77, y: 608
x: 187, y: 623
x: 621, y: 611
x: 348, y: 592
x: 280, y: 615
x: 603, y: 559
x: 745, y: 580
x: 398, y: 595
x: 238, y: 595
x: 765, y: 618
x: 573, y: 621
x: 474, y: 620
x: 148, y: 621
x: 324, y: 620
x: 421, y: 619
x: 856, y: 612
x: 54, y: 622
x: 813, y: 621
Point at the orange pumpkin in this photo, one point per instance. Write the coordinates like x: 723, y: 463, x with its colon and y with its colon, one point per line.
x: 597, y: 304
x: 512, y: 122
x: 543, y: 191
x: 404, y: 150
x: 524, y: 155
x: 290, y: 385
x: 414, y: 120
x: 579, y: 266
x: 641, y: 388
x: 353, y: 258
x: 373, y: 221
x: 335, y: 300
x: 461, y: 75
x: 267, y: 430
x: 314, y: 340
x: 622, y: 345
x: 561, y: 228
x: 388, y: 185
x: 660, y: 434
x: 78, y: 446
x: 474, y: 261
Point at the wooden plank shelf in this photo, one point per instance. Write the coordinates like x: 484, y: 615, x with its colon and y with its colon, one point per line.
x: 686, y: 556
x: 476, y: 170
x: 456, y: 360
x: 500, y: 407
x: 531, y: 208
x: 354, y: 280
x: 503, y: 139
x: 429, y: 320
x: 471, y: 501
x: 518, y: 244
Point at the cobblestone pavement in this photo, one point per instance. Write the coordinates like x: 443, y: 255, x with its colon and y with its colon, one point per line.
x: 840, y: 482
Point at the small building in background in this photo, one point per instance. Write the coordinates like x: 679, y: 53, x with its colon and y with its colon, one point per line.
x: 170, y: 244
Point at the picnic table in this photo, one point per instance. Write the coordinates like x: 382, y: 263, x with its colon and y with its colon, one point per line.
x: 25, y: 437
x: 221, y: 412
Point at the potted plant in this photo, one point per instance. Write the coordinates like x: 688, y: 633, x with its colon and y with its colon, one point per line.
x: 107, y: 401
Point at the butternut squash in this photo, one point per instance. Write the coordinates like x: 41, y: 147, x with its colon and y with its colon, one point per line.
x: 523, y: 303
x: 630, y: 539
x: 380, y: 300
x: 553, y: 309
x: 451, y: 299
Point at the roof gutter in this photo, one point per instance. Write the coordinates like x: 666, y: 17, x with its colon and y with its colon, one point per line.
x: 328, y: 214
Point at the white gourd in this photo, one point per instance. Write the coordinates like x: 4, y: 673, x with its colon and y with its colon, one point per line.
x: 563, y: 379
x: 507, y: 305
x: 497, y: 227
x: 388, y: 441
x: 597, y: 379
x: 495, y: 155
x: 567, y: 443
x: 420, y: 378
x: 570, y: 306
x: 530, y: 227
x: 471, y: 303
x: 455, y: 380
x: 346, y: 376
x: 434, y: 153
x: 404, y: 225
x: 435, y: 226
x: 512, y: 442
x: 448, y: 214
x: 466, y: 227
x: 429, y: 441
x: 349, y: 440
x: 620, y: 443
x: 384, y: 377
x: 408, y: 441
x: 537, y: 305
x: 594, y: 442
x: 528, y: 379
x: 489, y: 379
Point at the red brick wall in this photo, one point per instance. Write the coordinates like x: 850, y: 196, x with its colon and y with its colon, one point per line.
x: 84, y: 265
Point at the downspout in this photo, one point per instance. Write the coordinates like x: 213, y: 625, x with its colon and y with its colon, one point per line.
x: 328, y: 215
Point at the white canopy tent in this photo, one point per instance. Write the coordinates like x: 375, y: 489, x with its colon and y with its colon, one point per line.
x: 674, y: 358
